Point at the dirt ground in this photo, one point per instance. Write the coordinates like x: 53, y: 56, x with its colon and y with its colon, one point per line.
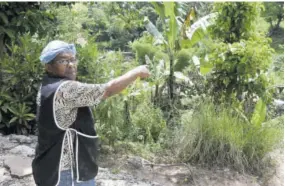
x: 130, y: 170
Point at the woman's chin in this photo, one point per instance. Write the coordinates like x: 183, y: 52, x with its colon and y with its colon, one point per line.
x: 71, y: 76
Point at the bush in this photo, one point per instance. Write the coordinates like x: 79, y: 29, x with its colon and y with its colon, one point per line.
x: 219, y: 135
x: 110, y: 115
x: 240, y: 68
x: 20, y: 78
x: 183, y: 59
x: 148, y: 122
x: 88, y: 68
x: 143, y: 49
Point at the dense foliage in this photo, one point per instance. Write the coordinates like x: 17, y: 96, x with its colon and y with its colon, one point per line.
x: 21, y: 18
x: 215, y: 76
x: 274, y: 14
x: 240, y: 56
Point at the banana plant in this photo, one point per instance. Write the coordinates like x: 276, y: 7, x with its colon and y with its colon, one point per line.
x: 179, y: 33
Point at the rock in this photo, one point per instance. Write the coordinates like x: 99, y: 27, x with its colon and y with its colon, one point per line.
x: 121, y: 183
x: 4, y: 179
x: 4, y: 176
x: 5, y: 144
x: 2, y: 170
x: 34, y: 138
x: 20, y: 139
x: 135, y: 161
x: 19, y: 166
x: 174, y: 180
x: 23, y: 150
x: 33, y: 145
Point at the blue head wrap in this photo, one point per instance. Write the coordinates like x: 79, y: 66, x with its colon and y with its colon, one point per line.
x: 55, y: 47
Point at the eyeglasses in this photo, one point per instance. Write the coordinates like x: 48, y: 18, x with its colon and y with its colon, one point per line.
x: 66, y: 61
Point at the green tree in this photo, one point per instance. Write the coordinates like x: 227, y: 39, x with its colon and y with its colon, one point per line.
x: 116, y: 23
x: 178, y: 34
x: 273, y: 14
x: 24, y: 17
x: 240, y: 57
x: 21, y: 76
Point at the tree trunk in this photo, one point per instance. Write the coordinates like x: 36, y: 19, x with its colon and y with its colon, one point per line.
x: 1, y: 53
x: 156, y: 98
x: 127, y: 115
x: 171, y: 91
x: 271, y: 24
x: 278, y: 23
x: 171, y: 94
x: 1, y: 44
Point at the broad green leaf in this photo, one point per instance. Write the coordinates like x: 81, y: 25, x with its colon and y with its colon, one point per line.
x: 205, y: 70
x: 186, y: 43
x: 10, y: 33
x: 13, y: 119
x: 4, y: 18
x: 13, y: 110
x: 159, y: 8
x: 259, y: 113
x: 200, y: 25
x: 169, y: 9
x: 173, y: 25
x: 4, y: 108
x: 197, y: 36
x: 30, y: 115
x: 205, y: 67
x: 153, y: 31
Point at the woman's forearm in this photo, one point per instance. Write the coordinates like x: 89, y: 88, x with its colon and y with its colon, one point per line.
x: 120, y: 83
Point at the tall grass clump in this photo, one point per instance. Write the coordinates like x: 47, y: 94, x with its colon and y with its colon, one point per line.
x: 218, y: 135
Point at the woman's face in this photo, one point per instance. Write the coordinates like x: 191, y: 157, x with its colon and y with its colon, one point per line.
x: 64, y: 65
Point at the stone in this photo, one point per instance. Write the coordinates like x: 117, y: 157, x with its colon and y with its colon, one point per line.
x: 4, y: 176
x: 19, y: 166
x: 33, y: 145
x: 135, y: 161
x: 23, y: 150
x: 2, y: 170
x: 20, y: 139
x: 34, y: 138
x: 174, y: 180
x: 5, y: 144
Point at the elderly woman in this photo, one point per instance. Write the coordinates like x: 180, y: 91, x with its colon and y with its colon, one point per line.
x: 67, y: 142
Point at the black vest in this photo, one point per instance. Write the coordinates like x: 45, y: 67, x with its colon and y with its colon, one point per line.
x: 46, y: 163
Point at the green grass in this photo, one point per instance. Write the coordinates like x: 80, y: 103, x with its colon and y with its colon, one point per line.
x: 219, y: 136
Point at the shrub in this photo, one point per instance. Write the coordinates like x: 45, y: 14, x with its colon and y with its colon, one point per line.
x: 110, y: 115
x: 20, y: 78
x: 143, y: 49
x: 88, y: 66
x: 219, y: 135
x: 148, y: 122
x: 183, y: 59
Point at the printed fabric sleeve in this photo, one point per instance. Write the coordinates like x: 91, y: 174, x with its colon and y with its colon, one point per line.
x: 73, y: 94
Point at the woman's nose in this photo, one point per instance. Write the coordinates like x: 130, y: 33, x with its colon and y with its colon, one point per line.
x: 71, y: 65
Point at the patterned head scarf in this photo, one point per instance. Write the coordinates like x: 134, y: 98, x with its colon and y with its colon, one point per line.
x: 55, y: 47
